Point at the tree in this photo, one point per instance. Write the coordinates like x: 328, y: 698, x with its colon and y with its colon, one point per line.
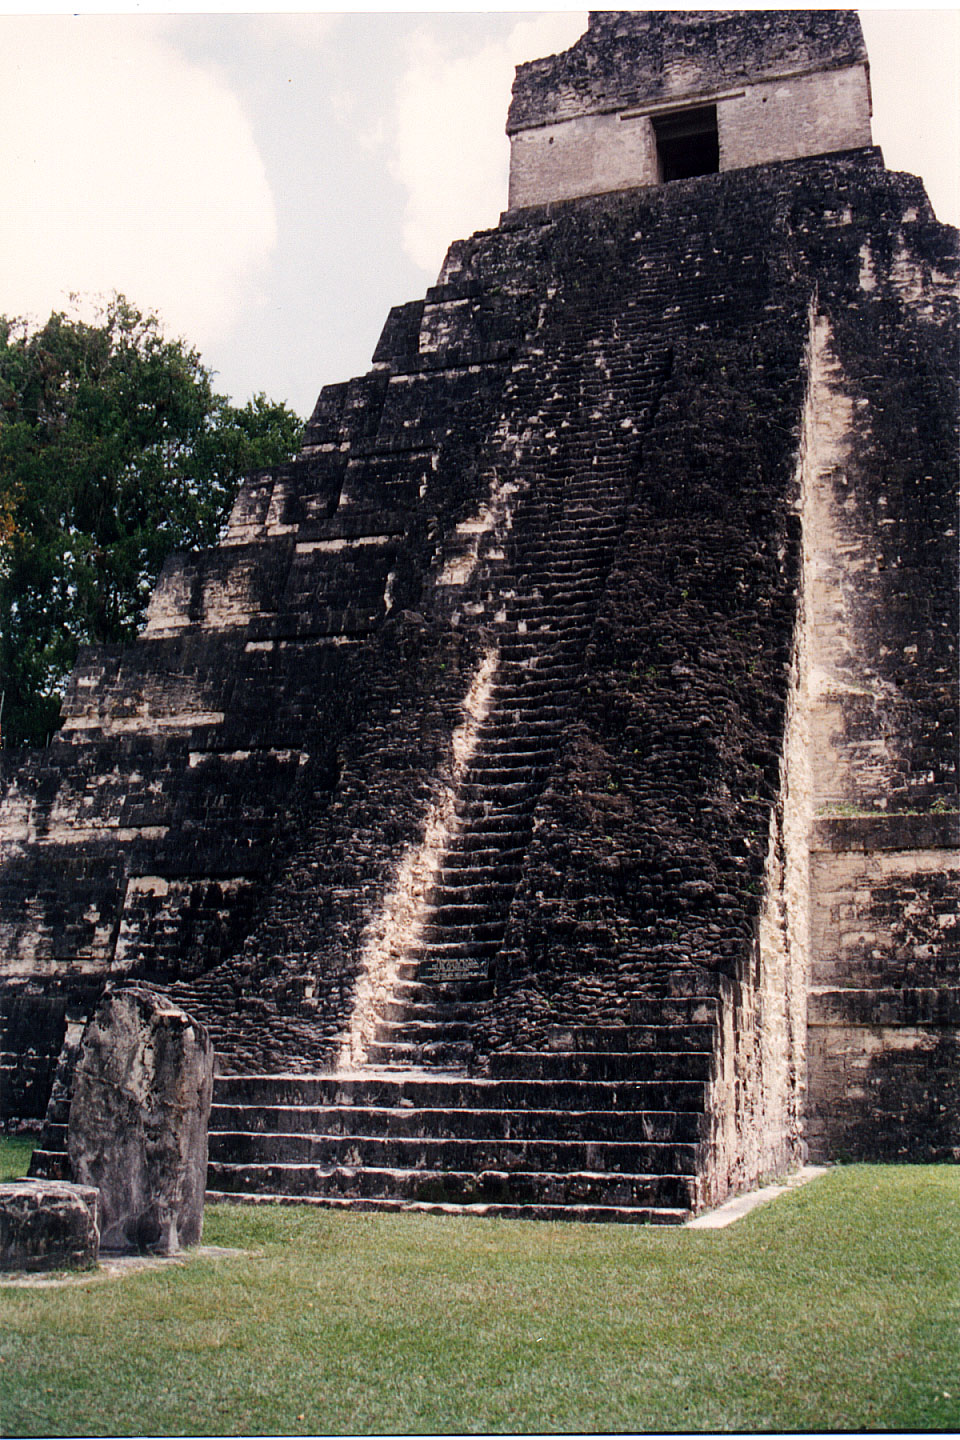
x: 114, y: 451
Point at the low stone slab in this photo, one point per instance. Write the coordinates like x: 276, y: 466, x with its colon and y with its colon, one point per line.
x: 138, y: 1120
x: 48, y: 1225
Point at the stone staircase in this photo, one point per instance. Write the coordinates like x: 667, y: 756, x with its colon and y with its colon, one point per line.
x: 540, y: 606
x: 610, y: 1125
x: 544, y: 625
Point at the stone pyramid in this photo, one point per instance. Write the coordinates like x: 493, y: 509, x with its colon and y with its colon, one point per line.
x: 546, y: 793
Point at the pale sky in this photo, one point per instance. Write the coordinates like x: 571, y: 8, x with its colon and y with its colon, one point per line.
x: 272, y: 184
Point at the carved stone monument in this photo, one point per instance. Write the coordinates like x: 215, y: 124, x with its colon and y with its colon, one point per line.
x: 138, y: 1120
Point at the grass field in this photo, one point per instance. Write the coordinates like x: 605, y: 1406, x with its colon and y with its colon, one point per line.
x: 835, y: 1307
x: 14, y: 1157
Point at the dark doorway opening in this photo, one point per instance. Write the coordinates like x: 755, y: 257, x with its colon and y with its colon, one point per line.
x: 687, y: 143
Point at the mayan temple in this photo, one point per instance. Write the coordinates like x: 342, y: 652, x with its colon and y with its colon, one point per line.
x: 546, y: 793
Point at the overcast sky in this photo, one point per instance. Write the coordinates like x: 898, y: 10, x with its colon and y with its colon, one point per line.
x: 271, y: 184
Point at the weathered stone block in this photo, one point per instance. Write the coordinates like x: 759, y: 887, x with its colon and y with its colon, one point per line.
x: 48, y: 1225
x: 138, y: 1120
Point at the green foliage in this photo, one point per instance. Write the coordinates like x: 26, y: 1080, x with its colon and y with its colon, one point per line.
x: 835, y: 1307
x: 114, y: 451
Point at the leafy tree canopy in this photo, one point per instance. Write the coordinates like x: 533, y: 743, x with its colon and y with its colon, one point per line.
x: 114, y: 451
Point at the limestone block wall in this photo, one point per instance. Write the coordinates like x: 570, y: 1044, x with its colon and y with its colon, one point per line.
x: 879, y: 510
x: 758, y: 1100
x: 586, y: 155
x: 884, y: 1009
x: 795, y: 115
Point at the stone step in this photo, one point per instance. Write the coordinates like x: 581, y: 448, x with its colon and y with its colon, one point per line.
x: 504, y: 1187
x: 535, y: 557
x: 477, y: 894
x: 510, y: 722
x: 500, y: 770
x: 54, y: 1133
x: 458, y: 1154
x: 446, y: 1092
x: 439, y: 934
x: 449, y: 901
x: 574, y: 585
x: 465, y: 905
x: 549, y: 627
x: 464, y: 947
x: 493, y: 743
x: 534, y: 591
x: 409, y: 990
x: 476, y: 804
x: 445, y: 1054
x: 486, y: 840
x: 438, y: 971
x: 531, y: 645
x: 573, y: 567
x: 574, y: 609
x: 501, y: 857
x: 447, y: 979
x: 513, y: 680
x: 458, y: 872
x: 525, y: 709
x: 548, y: 623
x: 435, y: 1014
x: 557, y: 634
x: 583, y: 1214
x: 50, y: 1165
x: 420, y: 1032
x: 493, y: 758
x: 563, y: 591
x: 563, y: 515
x: 666, y: 1126
x: 557, y: 675
x: 604, y: 1065
x: 521, y: 709
x: 500, y: 787
x: 543, y: 665
x: 593, y: 1038
x: 491, y: 821
x: 526, y: 650
x: 676, y: 1010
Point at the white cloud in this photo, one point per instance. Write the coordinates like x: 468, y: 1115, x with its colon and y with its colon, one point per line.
x: 287, y: 28
x: 125, y: 167
x: 449, y: 148
x: 914, y: 64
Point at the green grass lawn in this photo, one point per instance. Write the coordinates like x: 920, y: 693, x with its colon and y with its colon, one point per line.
x: 835, y: 1307
x: 14, y: 1157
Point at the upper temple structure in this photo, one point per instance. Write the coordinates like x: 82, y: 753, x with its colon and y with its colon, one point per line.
x: 647, y: 96
x: 546, y: 793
